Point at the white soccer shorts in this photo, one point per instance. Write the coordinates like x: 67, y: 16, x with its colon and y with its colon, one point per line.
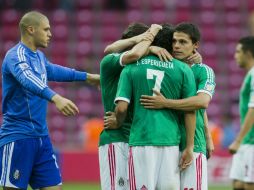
x: 242, y: 168
x: 113, y: 160
x: 195, y: 176
x: 154, y: 167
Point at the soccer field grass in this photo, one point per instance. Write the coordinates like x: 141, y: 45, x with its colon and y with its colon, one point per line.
x: 91, y: 186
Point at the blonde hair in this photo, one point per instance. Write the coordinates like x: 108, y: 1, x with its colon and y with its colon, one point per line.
x: 32, y: 18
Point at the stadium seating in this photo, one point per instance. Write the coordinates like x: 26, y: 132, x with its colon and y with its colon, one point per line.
x: 79, y: 38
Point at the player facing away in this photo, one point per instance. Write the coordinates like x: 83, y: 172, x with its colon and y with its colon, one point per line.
x: 155, y: 134
x: 185, y: 42
x: 26, y: 153
x: 242, y: 169
x: 113, y: 145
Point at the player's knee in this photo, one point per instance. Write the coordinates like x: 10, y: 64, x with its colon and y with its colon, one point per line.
x: 248, y: 186
x: 238, y: 185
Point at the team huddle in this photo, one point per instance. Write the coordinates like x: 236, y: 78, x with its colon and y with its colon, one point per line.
x: 155, y: 110
x: 155, y: 91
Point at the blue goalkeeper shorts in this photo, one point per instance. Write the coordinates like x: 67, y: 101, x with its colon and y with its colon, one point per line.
x: 29, y: 161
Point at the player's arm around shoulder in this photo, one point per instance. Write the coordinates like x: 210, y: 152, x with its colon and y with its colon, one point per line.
x: 142, y: 48
x: 121, y: 45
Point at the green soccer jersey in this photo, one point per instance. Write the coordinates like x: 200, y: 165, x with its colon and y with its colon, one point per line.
x: 246, y: 102
x: 110, y: 70
x: 205, y: 83
x: 174, y: 80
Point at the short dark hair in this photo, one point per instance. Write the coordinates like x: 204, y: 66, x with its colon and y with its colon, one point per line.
x: 247, y: 44
x: 190, y: 29
x: 134, y: 29
x: 164, y: 37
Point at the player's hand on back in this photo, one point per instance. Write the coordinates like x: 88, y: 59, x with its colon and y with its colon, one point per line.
x: 186, y: 158
x: 110, y: 121
x: 64, y: 105
x: 162, y: 53
x: 153, y: 102
x: 233, y: 148
x: 196, y: 58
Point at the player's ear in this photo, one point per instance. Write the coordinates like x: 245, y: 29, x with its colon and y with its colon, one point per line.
x: 249, y: 54
x: 196, y: 45
x: 30, y: 30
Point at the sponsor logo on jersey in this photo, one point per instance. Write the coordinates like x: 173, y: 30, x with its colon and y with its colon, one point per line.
x: 209, y: 86
x: 16, y: 174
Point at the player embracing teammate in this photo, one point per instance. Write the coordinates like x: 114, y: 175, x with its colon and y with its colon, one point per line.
x: 147, y: 87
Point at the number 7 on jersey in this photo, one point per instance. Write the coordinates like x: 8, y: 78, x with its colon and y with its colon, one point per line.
x: 159, y: 77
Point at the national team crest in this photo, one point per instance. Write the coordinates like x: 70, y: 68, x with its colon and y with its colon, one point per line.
x: 209, y: 86
x: 121, y: 182
x: 16, y: 174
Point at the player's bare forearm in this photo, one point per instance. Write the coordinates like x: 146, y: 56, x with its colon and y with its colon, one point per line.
x: 142, y: 48
x: 121, y: 112
x: 121, y: 45
x: 188, y: 104
x: 209, y: 140
x: 200, y: 101
x: 190, y: 126
x: 247, y: 125
x: 136, y: 52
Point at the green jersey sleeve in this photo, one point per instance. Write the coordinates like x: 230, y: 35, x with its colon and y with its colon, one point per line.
x: 251, y: 99
x: 189, y: 84
x: 111, y: 64
x: 206, y: 81
x: 124, y: 89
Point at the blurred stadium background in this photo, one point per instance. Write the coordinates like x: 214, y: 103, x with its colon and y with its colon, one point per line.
x: 81, y: 30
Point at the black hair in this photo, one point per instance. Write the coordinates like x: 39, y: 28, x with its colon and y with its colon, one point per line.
x: 164, y: 37
x: 134, y: 29
x: 247, y: 44
x: 190, y: 29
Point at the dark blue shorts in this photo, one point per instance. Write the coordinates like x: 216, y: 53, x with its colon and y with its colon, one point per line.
x: 29, y: 161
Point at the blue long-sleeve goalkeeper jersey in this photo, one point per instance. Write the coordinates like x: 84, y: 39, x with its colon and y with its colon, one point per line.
x: 25, y: 92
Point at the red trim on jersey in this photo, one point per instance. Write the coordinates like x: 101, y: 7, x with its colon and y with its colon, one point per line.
x: 199, y: 171
x: 112, y: 165
x: 131, y: 171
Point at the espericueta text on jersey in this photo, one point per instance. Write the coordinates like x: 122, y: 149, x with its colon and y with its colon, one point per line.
x: 168, y: 65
